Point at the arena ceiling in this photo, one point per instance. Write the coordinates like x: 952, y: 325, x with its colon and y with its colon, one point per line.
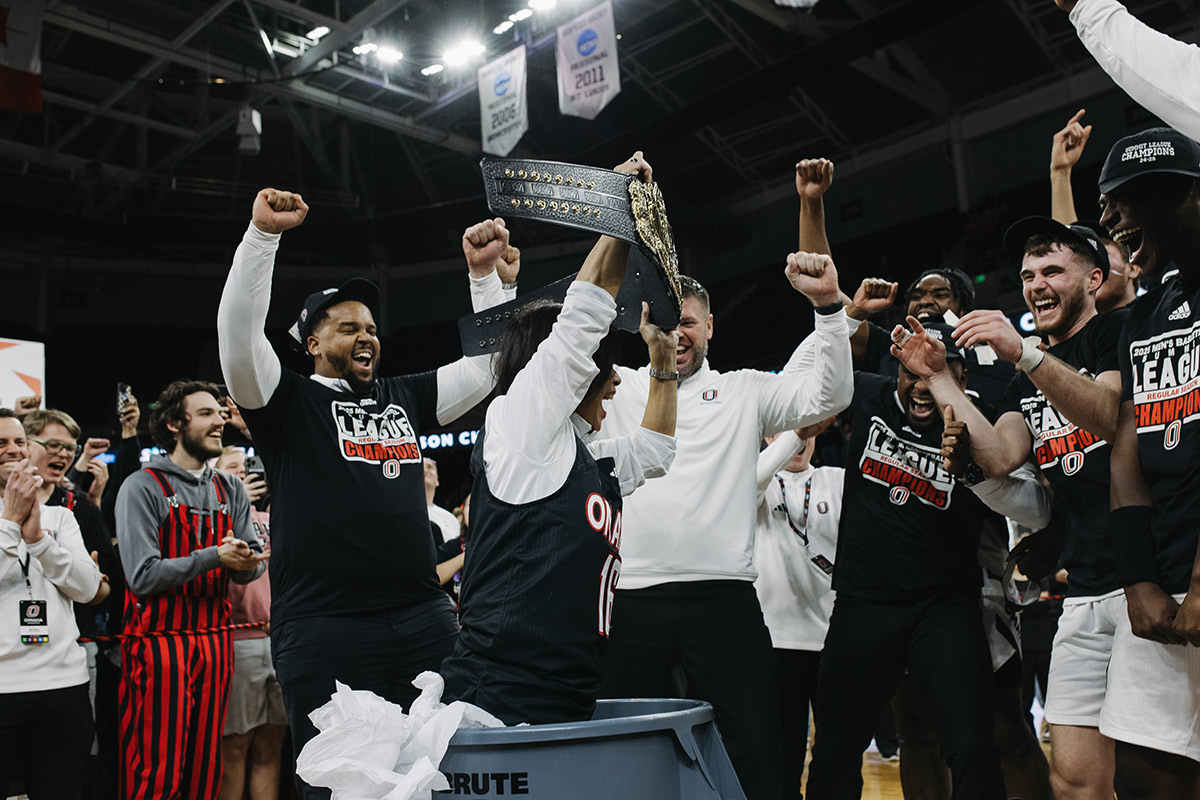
x: 142, y: 99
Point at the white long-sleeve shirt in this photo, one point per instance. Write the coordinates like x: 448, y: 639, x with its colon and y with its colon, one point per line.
x: 60, y: 572
x: 530, y: 445
x: 252, y: 369
x: 1160, y: 73
x: 697, y: 522
x: 795, y: 592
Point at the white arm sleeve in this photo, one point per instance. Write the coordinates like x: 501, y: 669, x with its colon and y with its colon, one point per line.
x: 1160, y: 73
x: 1020, y: 496
x: 250, y: 366
x: 65, y: 561
x: 817, y: 383
x: 777, y: 454
x: 639, y: 456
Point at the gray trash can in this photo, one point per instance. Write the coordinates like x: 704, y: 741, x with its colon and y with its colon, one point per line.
x: 629, y: 749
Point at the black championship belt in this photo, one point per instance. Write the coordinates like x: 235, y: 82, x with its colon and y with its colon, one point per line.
x: 597, y: 200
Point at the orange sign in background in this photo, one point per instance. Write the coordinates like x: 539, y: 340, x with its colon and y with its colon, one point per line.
x: 22, y: 370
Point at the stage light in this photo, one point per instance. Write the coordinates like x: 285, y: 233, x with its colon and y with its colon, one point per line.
x: 365, y: 48
x: 432, y: 69
x: 317, y: 32
x: 541, y: 5
x: 503, y: 27
x: 463, y: 52
x: 283, y: 49
x: 266, y: 40
x: 524, y: 13
x: 388, y: 55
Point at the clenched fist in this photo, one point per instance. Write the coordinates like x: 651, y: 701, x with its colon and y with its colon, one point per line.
x: 814, y: 176
x: 485, y: 244
x: 277, y: 211
x: 636, y: 165
x: 814, y: 276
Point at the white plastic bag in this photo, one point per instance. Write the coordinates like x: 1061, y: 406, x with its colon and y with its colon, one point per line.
x: 369, y: 749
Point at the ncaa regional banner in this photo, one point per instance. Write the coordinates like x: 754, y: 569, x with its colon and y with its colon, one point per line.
x: 588, y: 76
x: 21, y: 55
x: 503, y: 114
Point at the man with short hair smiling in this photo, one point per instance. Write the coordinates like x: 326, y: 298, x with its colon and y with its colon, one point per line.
x: 184, y: 532
x: 352, y: 552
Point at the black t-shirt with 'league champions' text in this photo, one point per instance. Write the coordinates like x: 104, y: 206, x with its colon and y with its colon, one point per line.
x: 1160, y: 374
x: 350, y: 533
x: 907, y: 528
x: 1074, y: 460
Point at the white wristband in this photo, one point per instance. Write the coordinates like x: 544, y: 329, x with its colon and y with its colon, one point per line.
x: 1031, y: 354
x: 852, y: 324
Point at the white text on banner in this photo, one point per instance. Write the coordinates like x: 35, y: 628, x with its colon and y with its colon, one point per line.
x: 503, y: 112
x: 588, y: 74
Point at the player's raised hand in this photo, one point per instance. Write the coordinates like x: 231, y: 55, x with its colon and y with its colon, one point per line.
x: 814, y: 176
x: 874, y: 296
x: 276, y: 211
x: 1068, y: 143
x: 484, y: 245
x: 636, y: 165
x: 991, y: 327
x: 814, y: 276
x: 920, y: 353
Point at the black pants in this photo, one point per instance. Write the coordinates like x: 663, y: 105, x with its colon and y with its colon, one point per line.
x: 798, y: 671
x: 380, y: 653
x: 48, y: 736
x: 715, y: 630
x: 940, y: 639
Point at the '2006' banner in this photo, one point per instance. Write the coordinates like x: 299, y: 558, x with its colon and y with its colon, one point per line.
x: 588, y: 75
x: 503, y: 112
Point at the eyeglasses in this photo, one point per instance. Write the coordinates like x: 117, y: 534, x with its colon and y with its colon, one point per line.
x: 54, y: 446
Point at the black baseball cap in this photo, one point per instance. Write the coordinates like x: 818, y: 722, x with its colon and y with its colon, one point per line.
x: 1153, y: 150
x: 359, y: 289
x: 937, y: 329
x: 1020, y: 231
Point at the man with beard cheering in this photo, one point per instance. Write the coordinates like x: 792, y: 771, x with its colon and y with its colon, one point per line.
x: 184, y: 532
x: 352, y: 553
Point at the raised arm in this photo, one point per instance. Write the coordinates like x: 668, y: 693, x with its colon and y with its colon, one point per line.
x: 1065, y: 150
x: 1160, y: 73
x: 250, y: 366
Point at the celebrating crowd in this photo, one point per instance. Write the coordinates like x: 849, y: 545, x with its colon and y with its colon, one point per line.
x: 657, y: 531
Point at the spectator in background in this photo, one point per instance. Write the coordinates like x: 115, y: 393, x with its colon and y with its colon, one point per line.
x: 52, y: 436
x: 444, y: 524
x: 184, y: 532
x: 255, y: 721
x: 45, y: 720
x: 1120, y: 287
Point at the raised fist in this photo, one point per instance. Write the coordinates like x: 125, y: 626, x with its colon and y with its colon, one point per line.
x: 814, y: 176
x: 1069, y: 143
x: 814, y: 276
x: 636, y: 165
x: 509, y: 265
x: 485, y: 245
x: 277, y: 211
x: 875, y: 295
x: 26, y: 404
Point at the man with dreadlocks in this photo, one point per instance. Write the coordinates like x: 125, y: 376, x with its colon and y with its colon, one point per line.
x: 941, y: 293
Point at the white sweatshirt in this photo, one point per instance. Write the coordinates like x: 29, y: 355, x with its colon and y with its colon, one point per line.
x: 697, y: 522
x: 795, y: 592
x: 60, y: 572
x: 252, y: 369
x: 1160, y: 73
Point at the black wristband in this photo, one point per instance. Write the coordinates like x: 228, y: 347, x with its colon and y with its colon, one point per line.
x: 827, y: 310
x: 1133, y: 544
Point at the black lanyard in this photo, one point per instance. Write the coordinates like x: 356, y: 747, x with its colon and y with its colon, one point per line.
x: 25, y: 572
x: 802, y: 531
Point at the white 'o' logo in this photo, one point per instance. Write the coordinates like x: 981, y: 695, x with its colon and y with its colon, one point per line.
x: 1072, y: 463
x: 1171, y: 437
x: 898, y: 495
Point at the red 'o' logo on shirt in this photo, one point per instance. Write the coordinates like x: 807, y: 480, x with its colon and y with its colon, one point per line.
x: 597, y: 512
x: 1072, y: 463
x: 822, y: 507
x: 898, y: 495
x: 1171, y: 436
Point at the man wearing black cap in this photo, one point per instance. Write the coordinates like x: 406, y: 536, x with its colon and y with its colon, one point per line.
x: 907, y: 590
x: 354, y: 592
x: 1062, y: 409
x: 1151, y: 199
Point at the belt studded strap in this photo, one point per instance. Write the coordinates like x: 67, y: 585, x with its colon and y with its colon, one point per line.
x: 596, y: 200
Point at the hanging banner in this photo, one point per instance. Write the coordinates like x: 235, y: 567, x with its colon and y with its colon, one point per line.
x: 588, y: 75
x: 503, y: 114
x: 21, y: 55
x: 22, y: 370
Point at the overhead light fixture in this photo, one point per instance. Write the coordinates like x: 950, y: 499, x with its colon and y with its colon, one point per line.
x: 364, y: 48
x: 218, y: 80
x: 388, y: 55
x: 462, y: 52
x: 432, y: 69
x: 266, y: 40
x: 503, y: 27
x: 283, y: 49
x: 541, y: 5
x: 317, y: 32
x: 524, y: 13
x: 249, y: 130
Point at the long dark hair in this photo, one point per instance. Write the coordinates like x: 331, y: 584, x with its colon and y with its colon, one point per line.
x: 527, y: 330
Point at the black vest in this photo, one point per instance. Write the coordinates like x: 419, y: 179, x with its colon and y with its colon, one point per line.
x: 536, y: 596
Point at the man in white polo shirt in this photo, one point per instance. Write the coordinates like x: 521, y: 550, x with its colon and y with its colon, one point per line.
x: 686, y: 592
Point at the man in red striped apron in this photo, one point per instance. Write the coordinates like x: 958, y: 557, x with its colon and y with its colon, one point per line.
x: 183, y: 532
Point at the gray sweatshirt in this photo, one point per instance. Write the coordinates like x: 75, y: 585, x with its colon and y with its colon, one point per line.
x: 142, y: 509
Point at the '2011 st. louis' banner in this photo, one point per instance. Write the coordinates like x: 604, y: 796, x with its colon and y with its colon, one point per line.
x: 588, y: 76
x: 503, y: 113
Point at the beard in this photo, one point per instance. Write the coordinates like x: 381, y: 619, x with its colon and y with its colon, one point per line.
x: 1071, y: 309
x: 199, y: 446
x: 345, y: 370
x: 698, y: 353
